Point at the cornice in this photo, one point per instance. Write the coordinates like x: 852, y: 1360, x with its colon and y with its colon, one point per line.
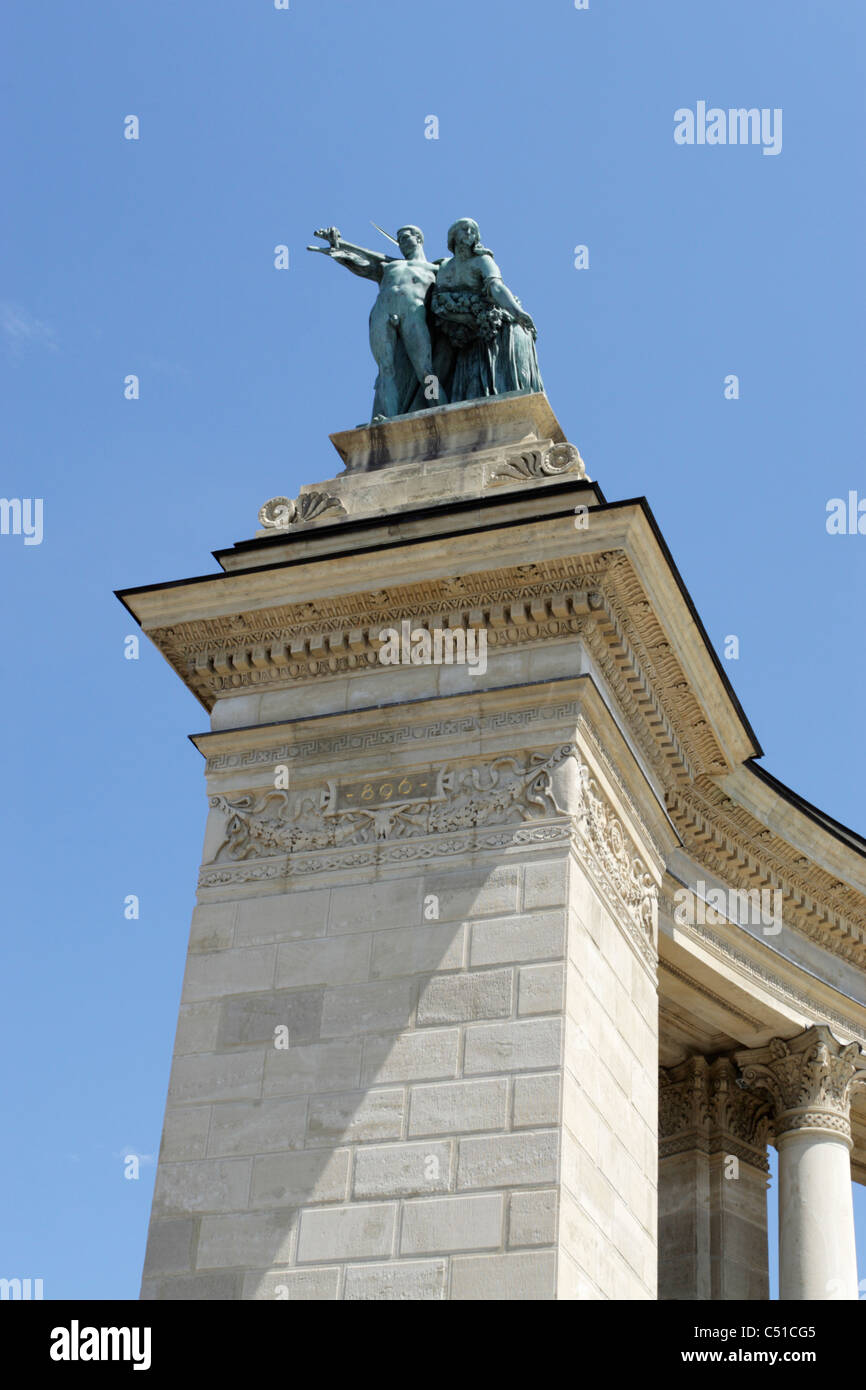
x: 744, y: 852
x: 596, y: 595
x: 327, y: 637
x: 723, y: 948
x: 717, y: 999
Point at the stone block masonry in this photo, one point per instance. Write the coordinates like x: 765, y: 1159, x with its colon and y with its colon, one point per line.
x: 435, y: 1082
x: 405, y: 1143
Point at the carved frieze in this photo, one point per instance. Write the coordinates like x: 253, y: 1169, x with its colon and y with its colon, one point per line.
x: 504, y: 791
x: 415, y: 814
x: 611, y: 849
x: 381, y: 853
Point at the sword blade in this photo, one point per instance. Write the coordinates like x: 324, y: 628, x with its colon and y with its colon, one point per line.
x: 384, y: 233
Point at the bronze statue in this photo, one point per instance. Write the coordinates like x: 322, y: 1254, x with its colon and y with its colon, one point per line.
x: 399, y: 334
x: 444, y: 330
x: 491, y: 335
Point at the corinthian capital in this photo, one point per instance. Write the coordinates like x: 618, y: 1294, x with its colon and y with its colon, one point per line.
x: 702, y: 1108
x: 808, y: 1079
x: 683, y: 1107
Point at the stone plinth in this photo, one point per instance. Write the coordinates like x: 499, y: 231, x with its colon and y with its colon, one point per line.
x: 433, y: 459
x: 450, y: 431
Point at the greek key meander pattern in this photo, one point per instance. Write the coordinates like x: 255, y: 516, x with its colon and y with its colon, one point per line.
x: 399, y: 736
x: 309, y: 831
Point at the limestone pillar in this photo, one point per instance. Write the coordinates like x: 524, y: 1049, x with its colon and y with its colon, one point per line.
x: 712, y: 1184
x: 809, y: 1080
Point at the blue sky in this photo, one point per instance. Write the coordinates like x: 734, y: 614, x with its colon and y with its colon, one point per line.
x: 155, y: 257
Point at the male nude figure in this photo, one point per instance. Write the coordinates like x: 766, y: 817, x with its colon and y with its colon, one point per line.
x: 398, y: 319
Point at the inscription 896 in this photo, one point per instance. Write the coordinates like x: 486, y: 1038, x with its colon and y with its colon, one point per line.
x: 384, y: 791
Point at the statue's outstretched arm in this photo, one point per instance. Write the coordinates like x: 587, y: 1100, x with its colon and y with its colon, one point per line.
x: 358, y: 259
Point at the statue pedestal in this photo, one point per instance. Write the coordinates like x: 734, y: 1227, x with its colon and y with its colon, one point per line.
x: 450, y: 431
x: 434, y: 458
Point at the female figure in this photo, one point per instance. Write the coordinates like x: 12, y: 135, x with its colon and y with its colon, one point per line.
x: 490, y: 337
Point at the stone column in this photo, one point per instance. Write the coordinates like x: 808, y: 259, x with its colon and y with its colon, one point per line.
x: 809, y: 1080
x: 684, y: 1183
x: 712, y: 1184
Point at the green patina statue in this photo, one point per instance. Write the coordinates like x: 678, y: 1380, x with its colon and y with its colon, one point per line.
x: 444, y: 330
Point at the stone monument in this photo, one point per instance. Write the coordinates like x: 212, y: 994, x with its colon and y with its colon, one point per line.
x: 509, y: 958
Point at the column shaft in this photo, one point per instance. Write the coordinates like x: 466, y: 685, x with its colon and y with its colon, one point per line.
x: 817, y: 1257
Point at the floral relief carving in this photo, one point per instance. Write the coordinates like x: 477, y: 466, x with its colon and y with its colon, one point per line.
x: 485, y: 805
x: 504, y: 791
x: 625, y: 869
x: 683, y: 1099
x: 279, y: 513
x: 541, y: 463
x: 701, y: 1106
